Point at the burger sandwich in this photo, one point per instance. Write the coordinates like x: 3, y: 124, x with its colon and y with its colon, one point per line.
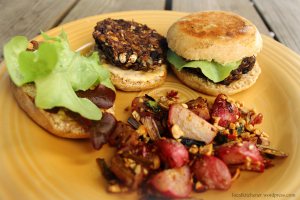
x: 214, y: 52
x: 133, y: 53
x: 67, y: 94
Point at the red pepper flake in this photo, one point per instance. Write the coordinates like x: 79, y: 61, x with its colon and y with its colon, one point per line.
x: 231, y: 136
x: 172, y: 94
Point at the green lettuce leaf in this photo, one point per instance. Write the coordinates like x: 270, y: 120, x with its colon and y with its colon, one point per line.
x: 212, y: 70
x: 11, y: 53
x: 58, y: 72
x: 41, y: 62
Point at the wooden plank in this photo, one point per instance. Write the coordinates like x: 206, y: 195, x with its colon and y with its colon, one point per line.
x: 242, y: 7
x: 94, y: 7
x: 283, y: 18
x: 28, y: 17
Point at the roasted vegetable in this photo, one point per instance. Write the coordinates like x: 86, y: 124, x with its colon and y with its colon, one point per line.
x: 123, y: 135
x: 212, y: 172
x: 143, y: 154
x: 129, y: 176
x: 178, y: 147
x: 172, y: 153
x: 272, y: 153
x: 200, y: 107
x: 145, y: 107
x: 174, y: 183
x: 106, y: 172
x: 133, y: 122
x: 151, y: 127
x: 185, y: 123
x: 224, y: 111
x: 244, y: 154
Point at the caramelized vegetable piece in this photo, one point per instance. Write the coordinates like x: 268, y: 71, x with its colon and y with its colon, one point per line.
x: 212, y: 172
x: 128, y: 176
x: 225, y: 111
x: 273, y: 153
x: 143, y: 154
x: 172, y: 153
x: 244, y: 154
x: 106, y: 172
x: 144, y: 106
x: 123, y: 135
x: 174, y: 183
x: 151, y: 127
x: 184, y: 123
x: 200, y: 107
x: 133, y: 122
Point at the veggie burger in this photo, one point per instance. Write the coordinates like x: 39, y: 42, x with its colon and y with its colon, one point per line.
x: 132, y: 52
x: 214, y: 52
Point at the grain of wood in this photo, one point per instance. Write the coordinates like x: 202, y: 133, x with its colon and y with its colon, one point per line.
x: 242, y: 7
x: 28, y: 17
x: 284, y: 19
x: 94, y: 7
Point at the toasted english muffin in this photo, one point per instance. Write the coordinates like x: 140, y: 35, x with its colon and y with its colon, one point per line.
x: 219, y: 37
x: 210, y: 88
x: 214, y: 35
x: 131, y: 80
x: 57, y: 123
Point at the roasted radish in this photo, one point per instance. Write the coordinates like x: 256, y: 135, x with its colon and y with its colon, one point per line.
x: 172, y: 153
x: 212, y: 172
x: 184, y: 123
x: 174, y: 183
x: 224, y: 111
x: 245, y: 154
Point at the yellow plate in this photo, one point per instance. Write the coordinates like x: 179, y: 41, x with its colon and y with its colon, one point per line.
x: 36, y: 165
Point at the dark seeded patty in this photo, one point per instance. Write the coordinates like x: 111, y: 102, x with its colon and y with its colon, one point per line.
x: 246, y: 65
x: 130, y: 45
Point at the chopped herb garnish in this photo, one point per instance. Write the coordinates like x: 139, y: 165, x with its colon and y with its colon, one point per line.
x: 220, y: 138
x: 153, y: 105
x: 240, y: 129
x: 189, y: 142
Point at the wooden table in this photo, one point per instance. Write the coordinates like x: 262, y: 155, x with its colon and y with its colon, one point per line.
x: 275, y: 18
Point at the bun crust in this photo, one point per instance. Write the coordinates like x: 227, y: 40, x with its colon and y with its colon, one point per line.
x: 210, y: 88
x: 58, y: 124
x: 131, y: 80
x: 214, y: 35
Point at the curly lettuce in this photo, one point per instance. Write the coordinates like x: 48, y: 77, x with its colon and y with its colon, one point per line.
x: 58, y: 72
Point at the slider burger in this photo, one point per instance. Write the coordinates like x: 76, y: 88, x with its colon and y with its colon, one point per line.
x: 133, y: 53
x: 214, y: 52
x: 67, y: 94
